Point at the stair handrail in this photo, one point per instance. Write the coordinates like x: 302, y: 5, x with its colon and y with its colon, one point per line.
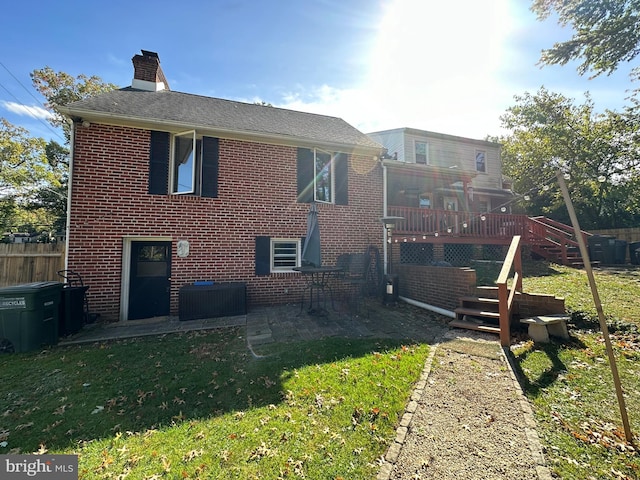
x: 512, y: 261
x: 559, y: 225
x: 556, y: 233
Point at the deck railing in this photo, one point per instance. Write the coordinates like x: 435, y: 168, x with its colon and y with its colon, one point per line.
x: 435, y: 222
x: 551, y: 239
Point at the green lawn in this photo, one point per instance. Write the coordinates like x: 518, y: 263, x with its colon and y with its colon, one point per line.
x: 570, y: 385
x: 200, y: 405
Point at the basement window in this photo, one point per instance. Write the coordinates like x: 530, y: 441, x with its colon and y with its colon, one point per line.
x: 285, y: 254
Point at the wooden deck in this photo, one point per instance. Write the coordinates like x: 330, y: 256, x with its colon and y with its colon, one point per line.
x: 546, y: 237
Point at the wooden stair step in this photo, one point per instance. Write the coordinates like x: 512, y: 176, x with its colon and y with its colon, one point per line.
x: 479, y: 299
x: 481, y: 327
x: 476, y: 313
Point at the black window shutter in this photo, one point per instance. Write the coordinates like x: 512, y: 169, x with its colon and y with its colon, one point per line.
x: 341, y: 171
x: 159, y: 163
x: 305, y: 175
x: 263, y: 256
x: 210, y: 155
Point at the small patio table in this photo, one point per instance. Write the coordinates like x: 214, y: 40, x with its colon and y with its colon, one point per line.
x: 317, y: 279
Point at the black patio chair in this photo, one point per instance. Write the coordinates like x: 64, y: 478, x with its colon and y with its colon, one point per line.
x: 355, y: 277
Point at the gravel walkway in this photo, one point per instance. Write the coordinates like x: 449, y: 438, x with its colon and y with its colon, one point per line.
x: 467, y: 419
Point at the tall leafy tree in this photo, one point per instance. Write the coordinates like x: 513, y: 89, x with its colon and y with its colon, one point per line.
x: 598, y: 150
x: 606, y: 33
x: 52, y: 198
x: 24, y: 169
x: 60, y: 88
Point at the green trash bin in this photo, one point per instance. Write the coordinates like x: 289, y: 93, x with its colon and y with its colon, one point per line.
x: 29, y: 316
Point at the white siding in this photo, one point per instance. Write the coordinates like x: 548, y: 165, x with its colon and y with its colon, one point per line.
x: 446, y: 151
x: 392, y: 140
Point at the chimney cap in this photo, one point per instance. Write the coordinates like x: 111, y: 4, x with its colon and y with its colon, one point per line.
x: 148, y: 53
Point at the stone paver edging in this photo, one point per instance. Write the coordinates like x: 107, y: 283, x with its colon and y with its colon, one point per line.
x: 529, y: 422
x: 393, y: 453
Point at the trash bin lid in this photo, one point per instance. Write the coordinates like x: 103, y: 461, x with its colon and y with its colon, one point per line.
x: 29, y: 288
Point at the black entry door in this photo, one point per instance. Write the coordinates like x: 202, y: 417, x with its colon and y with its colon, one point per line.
x: 149, y: 284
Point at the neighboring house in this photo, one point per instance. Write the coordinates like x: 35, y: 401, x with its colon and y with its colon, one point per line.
x: 450, y: 193
x: 435, y: 170
x: 454, y: 203
x: 168, y: 188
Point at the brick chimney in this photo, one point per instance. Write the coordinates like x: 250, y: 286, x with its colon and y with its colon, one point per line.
x: 147, y: 73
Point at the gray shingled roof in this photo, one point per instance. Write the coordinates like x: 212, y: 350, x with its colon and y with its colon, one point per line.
x: 131, y: 106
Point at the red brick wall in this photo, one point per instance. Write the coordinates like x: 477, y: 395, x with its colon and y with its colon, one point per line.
x: 257, y: 197
x: 438, y: 286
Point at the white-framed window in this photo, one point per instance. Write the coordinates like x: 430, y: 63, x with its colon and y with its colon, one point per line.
x: 481, y: 161
x: 186, y: 162
x: 285, y: 254
x: 323, y: 178
x: 425, y: 201
x: 422, y: 152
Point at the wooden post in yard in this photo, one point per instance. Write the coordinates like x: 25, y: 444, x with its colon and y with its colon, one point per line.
x: 596, y: 299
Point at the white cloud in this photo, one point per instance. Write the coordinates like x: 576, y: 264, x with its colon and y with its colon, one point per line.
x: 433, y: 66
x: 26, y: 110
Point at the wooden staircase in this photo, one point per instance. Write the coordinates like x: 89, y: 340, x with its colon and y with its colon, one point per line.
x: 481, y: 313
x: 474, y: 312
x: 492, y: 309
x: 555, y: 241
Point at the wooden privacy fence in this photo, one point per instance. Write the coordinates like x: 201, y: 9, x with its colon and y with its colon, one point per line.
x: 30, y: 262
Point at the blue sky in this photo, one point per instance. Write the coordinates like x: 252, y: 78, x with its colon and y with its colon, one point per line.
x: 445, y: 66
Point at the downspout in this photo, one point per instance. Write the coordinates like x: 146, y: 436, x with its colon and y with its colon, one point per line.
x: 69, y: 187
x: 426, y: 306
x: 384, y: 214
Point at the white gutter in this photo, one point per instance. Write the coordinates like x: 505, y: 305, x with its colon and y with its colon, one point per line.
x: 384, y: 214
x: 69, y: 187
x: 426, y: 306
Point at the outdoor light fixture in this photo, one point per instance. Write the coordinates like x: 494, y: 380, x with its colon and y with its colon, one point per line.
x: 390, y: 222
x: 390, y: 293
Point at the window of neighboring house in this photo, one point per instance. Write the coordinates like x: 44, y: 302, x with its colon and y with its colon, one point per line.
x: 322, y: 176
x: 481, y: 161
x: 425, y: 201
x: 422, y: 153
x: 285, y: 254
x: 183, y: 164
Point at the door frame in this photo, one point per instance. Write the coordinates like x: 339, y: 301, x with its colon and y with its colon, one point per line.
x: 127, y: 241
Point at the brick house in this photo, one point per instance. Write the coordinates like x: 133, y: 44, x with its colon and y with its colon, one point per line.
x: 168, y: 188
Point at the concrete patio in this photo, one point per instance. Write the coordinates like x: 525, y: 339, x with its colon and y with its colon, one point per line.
x: 286, y: 323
